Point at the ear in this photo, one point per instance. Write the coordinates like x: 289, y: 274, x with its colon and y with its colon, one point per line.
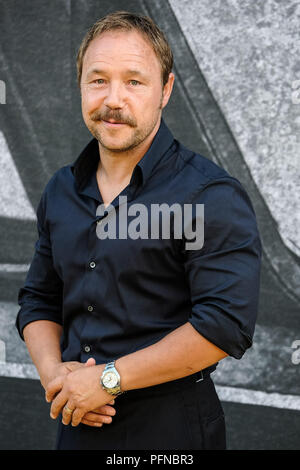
x: 167, y: 90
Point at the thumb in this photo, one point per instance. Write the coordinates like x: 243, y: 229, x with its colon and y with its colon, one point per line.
x: 90, y: 362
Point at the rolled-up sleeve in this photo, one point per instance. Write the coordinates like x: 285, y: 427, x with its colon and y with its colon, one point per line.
x: 224, y: 275
x: 41, y: 296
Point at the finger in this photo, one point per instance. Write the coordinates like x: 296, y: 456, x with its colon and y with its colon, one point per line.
x: 77, y: 416
x: 53, y: 388
x: 109, y: 403
x: 90, y: 362
x: 67, y: 412
x: 91, y: 423
x: 97, y: 418
x: 57, y: 405
x: 105, y: 410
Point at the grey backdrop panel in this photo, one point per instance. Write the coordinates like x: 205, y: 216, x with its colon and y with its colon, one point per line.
x: 42, y: 125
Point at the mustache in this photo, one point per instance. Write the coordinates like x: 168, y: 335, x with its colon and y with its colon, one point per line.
x: 115, y: 115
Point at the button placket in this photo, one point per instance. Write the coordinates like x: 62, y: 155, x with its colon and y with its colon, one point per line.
x: 91, y: 264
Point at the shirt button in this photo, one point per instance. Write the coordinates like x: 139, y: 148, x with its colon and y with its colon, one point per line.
x: 92, y: 264
x: 90, y: 308
x: 87, y: 349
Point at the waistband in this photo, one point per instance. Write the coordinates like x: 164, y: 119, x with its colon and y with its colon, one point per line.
x: 171, y: 386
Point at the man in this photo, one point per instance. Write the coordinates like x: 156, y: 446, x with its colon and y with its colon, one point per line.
x: 106, y: 311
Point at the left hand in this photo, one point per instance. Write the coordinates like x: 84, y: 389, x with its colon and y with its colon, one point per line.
x: 80, y: 391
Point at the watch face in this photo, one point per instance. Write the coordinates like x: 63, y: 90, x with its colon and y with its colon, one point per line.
x: 110, y: 380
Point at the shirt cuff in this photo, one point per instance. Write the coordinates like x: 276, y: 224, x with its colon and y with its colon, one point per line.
x: 24, y: 318
x: 224, y: 334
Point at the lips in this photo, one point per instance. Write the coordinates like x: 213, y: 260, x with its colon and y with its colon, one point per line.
x: 113, y: 123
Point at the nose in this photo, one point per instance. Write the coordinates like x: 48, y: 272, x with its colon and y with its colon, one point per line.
x: 114, y: 97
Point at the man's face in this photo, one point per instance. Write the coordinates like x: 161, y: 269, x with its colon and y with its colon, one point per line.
x: 121, y: 90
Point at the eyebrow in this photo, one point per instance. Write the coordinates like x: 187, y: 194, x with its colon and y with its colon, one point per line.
x: 95, y: 72
x: 135, y: 72
x: 102, y: 72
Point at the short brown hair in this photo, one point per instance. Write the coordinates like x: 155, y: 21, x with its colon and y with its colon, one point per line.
x: 124, y: 20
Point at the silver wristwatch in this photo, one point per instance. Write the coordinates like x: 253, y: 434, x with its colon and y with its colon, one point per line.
x: 111, y: 380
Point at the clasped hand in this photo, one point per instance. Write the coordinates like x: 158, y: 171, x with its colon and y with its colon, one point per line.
x: 77, y: 394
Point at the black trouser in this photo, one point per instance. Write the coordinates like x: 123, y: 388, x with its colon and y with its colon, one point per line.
x: 185, y: 414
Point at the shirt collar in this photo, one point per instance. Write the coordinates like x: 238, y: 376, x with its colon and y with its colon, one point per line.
x: 87, y: 162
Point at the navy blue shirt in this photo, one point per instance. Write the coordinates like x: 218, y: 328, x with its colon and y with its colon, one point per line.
x: 115, y: 296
